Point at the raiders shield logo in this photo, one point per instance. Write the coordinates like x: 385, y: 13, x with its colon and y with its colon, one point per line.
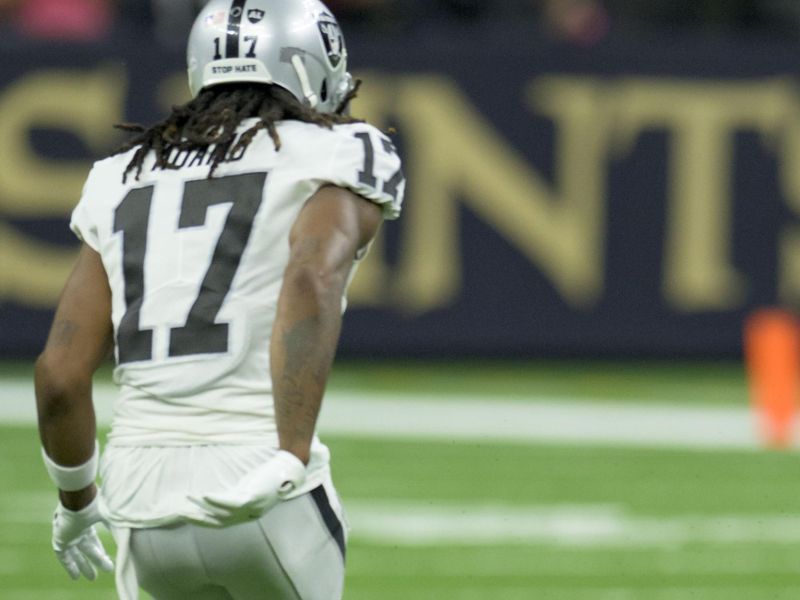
x: 332, y: 38
x: 255, y: 15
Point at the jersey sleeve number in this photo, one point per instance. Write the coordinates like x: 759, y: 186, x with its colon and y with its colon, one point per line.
x: 367, y: 175
x: 201, y: 334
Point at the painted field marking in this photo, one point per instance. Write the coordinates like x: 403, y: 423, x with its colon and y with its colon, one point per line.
x: 558, y: 525
x: 480, y: 418
x: 383, y: 523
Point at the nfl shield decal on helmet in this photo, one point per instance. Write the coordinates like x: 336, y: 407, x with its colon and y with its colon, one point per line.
x: 255, y: 15
x: 332, y: 38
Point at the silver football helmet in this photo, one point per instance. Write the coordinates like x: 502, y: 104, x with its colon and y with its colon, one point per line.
x: 296, y: 44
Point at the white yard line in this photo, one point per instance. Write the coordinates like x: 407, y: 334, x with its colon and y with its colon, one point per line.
x: 396, y: 523
x: 541, y: 420
x: 558, y: 525
x: 478, y: 418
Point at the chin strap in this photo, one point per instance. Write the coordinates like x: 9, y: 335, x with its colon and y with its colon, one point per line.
x: 305, y: 84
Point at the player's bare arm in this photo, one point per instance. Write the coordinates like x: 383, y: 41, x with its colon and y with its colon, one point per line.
x: 80, y: 339
x: 334, y: 224
x: 324, y: 241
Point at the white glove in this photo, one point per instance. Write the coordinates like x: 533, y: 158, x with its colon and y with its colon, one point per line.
x: 76, y: 543
x: 254, y: 494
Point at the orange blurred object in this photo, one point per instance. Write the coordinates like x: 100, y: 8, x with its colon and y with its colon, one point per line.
x: 772, y: 357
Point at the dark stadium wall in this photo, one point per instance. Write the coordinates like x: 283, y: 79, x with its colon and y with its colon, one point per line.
x: 634, y: 199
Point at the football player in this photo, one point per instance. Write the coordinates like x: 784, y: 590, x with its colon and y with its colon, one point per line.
x: 217, y: 250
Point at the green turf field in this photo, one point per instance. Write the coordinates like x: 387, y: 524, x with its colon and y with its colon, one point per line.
x: 473, y: 519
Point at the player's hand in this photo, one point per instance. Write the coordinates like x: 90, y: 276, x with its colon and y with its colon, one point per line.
x: 75, y: 541
x: 255, y: 494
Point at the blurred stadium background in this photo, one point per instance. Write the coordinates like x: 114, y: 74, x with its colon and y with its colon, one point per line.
x: 540, y: 390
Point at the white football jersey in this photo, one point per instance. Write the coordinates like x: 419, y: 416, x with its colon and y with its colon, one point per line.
x: 195, y: 267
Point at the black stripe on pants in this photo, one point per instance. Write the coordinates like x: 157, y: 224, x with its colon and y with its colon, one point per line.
x: 332, y: 522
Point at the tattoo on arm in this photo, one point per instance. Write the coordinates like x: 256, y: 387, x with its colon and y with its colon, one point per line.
x: 308, y: 354
x: 64, y: 332
x: 324, y: 243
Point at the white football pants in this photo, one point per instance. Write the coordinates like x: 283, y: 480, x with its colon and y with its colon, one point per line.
x: 294, y: 552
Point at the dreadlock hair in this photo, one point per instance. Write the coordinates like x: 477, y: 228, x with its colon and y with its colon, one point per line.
x: 210, y: 121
